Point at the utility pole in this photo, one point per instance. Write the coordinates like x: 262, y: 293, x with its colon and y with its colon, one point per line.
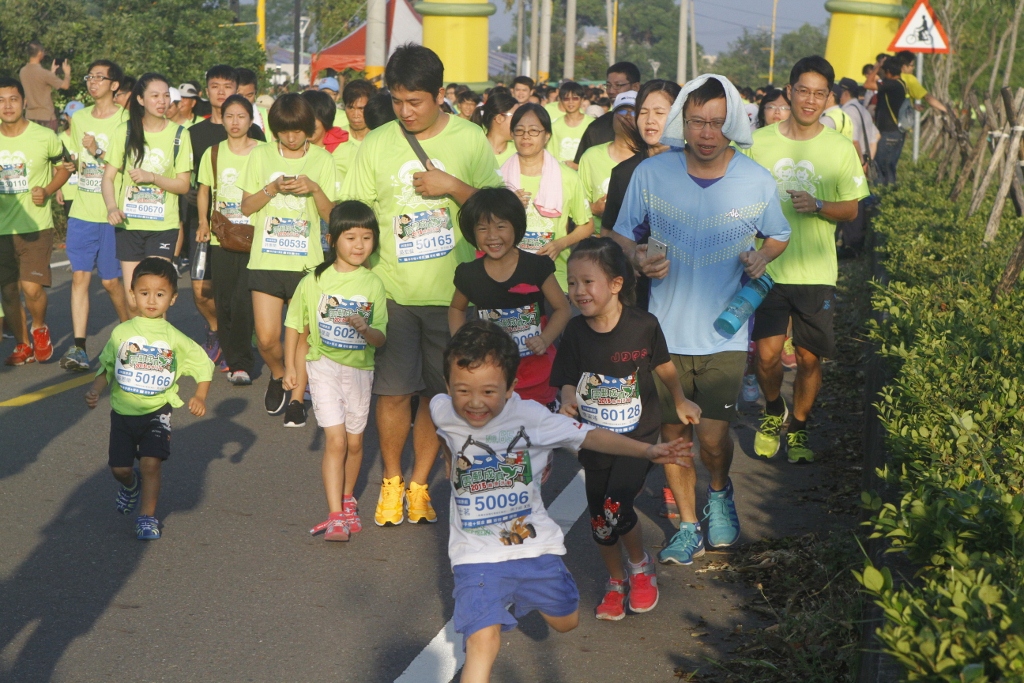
x: 544, y: 52
x: 570, y: 40
x: 684, y: 32
x: 694, y: 67
x: 534, y: 37
x: 615, y: 29
x: 376, y: 18
x: 297, y: 42
x: 261, y: 23
x: 771, y: 48
x: 520, y: 38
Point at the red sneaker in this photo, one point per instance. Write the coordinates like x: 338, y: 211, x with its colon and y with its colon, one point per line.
x: 788, y: 354
x: 336, y: 530
x: 351, y: 511
x: 643, y: 587
x: 22, y: 354
x: 613, y: 606
x: 41, y: 339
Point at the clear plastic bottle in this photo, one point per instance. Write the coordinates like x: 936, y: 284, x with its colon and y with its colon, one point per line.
x: 751, y: 392
x: 199, y: 256
x: 743, y: 305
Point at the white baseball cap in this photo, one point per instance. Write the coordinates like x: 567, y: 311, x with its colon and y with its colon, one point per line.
x: 628, y: 97
x: 175, y: 94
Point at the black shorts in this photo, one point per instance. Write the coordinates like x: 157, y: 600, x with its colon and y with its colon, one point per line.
x: 611, y: 492
x: 139, y: 436
x: 134, y: 245
x: 812, y: 308
x: 279, y: 283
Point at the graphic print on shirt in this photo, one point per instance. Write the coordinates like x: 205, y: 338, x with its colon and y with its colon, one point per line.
x: 609, y: 402
x: 492, y: 489
x: 795, y: 175
x: 229, y: 197
x: 539, y: 230
x: 521, y: 323
x: 14, y: 170
x: 90, y: 178
x: 287, y: 236
x: 333, y: 313
x: 146, y: 202
x: 144, y: 367
x: 424, y: 234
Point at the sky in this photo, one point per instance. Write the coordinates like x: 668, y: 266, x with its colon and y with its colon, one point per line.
x: 718, y: 21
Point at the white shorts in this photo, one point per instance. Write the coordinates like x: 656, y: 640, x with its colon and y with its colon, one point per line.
x: 341, y: 394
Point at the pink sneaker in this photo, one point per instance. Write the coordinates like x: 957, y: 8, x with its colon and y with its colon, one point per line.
x: 613, y: 605
x: 336, y: 530
x: 350, y: 508
x: 643, y: 587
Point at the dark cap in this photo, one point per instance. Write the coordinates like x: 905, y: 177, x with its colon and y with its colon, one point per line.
x: 849, y: 84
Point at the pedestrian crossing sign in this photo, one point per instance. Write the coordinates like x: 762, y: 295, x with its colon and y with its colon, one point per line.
x: 921, y: 32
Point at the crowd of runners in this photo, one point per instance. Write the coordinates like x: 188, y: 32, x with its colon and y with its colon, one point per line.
x: 503, y: 275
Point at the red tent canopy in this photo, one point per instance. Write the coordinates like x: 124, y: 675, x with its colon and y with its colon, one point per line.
x: 350, y: 51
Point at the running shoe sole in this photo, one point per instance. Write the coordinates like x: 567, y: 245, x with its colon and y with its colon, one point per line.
x: 645, y: 609
x: 610, y: 617
x: 672, y: 560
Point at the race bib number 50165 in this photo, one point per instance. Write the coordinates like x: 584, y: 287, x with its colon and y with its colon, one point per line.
x: 423, y: 235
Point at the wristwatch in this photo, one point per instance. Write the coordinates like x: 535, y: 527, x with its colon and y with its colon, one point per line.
x: 99, y: 153
x: 818, y: 205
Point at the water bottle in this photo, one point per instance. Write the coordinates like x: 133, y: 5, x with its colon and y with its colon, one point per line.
x: 199, y: 256
x: 743, y: 305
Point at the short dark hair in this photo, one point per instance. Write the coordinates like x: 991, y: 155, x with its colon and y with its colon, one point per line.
x: 127, y: 84
x: 892, y: 66
x: 114, y: 72
x: 415, y: 68
x: 467, y: 96
x: 815, y: 64
x: 8, y: 82
x: 492, y: 203
x: 866, y: 69
x: 324, y: 107
x: 629, y: 69
x: 540, y: 112
x: 345, y: 216
x: 570, y: 88
x: 906, y: 56
x: 246, y: 76
x: 34, y: 47
x: 239, y: 100
x: 523, y: 80
x: 292, y: 111
x: 711, y: 89
x: 478, y: 342
x: 355, y: 89
x: 224, y: 71
x: 160, y: 267
x: 379, y: 110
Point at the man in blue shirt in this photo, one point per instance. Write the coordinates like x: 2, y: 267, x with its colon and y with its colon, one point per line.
x: 709, y: 204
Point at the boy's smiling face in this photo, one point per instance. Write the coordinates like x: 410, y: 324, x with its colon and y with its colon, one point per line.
x: 479, y: 392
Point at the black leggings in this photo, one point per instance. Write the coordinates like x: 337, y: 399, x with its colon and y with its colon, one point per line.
x: 234, y: 307
x: 610, y: 495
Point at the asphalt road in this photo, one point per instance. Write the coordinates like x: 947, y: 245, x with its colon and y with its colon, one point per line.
x: 237, y: 590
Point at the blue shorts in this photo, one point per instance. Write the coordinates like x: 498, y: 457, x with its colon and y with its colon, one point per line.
x: 483, y: 591
x: 92, y: 245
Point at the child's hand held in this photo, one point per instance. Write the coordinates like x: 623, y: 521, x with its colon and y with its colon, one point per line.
x: 197, y: 406
x: 569, y: 409
x: 537, y: 345
x: 688, y: 412
x: 92, y: 398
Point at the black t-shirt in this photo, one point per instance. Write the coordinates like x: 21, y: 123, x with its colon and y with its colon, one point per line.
x: 517, y: 304
x: 598, y: 132
x: 613, y: 373
x: 617, y: 185
x: 891, y: 93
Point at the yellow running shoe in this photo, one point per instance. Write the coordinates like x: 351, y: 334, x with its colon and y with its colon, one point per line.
x: 420, y: 510
x: 797, y: 448
x: 768, y: 438
x: 390, y: 505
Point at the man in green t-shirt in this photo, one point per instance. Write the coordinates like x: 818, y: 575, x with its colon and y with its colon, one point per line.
x: 820, y: 180
x: 419, y: 249
x: 28, y: 153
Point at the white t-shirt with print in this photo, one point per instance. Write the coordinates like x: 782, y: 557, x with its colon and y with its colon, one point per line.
x: 497, y: 513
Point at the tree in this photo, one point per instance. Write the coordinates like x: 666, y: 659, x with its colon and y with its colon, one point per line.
x: 334, y: 19
x: 746, y: 61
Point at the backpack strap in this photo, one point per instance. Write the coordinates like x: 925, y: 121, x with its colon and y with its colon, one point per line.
x: 127, y: 137
x: 213, y: 165
x: 177, y: 145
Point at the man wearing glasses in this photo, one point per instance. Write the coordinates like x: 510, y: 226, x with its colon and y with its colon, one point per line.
x: 820, y: 180
x: 706, y: 204
x: 622, y: 77
x: 90, y: 239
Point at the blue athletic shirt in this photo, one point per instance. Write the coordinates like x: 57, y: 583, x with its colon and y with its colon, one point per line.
x: 705, y: 229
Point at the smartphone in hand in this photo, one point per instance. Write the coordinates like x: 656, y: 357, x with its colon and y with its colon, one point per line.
x: 656, y: 247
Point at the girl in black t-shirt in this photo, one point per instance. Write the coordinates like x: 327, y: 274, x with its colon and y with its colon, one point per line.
x: 509, y: 287
x: 605, y: 366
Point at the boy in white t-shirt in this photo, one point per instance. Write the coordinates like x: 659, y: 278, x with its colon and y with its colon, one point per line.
x: 504, y: 548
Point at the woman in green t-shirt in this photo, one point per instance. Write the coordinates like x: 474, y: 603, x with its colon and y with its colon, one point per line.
x: 597, y: 163
x: 229, y: 269
x: 495, y: 118
x: 156, y: 160
x: 551, y: 192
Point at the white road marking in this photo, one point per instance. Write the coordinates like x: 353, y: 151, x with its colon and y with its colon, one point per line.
x: 442, y: 658
x: 60, y: 264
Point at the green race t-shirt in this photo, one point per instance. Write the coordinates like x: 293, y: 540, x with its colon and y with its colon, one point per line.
x: 540, y: 230
x: 344, y: 154
x: 230, y: 169
x: 70, y: 189
x: 149, y: 207
x: 326, y: 303
x: 26, y: 161
x: 143, y: 361
x: 914, y: 87
x: 287, y: 235
x: 510, y: 149
x: 596, y: 166
x: 565, y: 139
x: 90, y: 205
x: 419, y: 244
x: 553, y: 111
x: 826, y: 166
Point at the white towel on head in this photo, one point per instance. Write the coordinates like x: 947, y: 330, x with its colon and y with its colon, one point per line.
x: 736, y: 128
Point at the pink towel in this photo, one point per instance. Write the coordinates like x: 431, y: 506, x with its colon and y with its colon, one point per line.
x: 549, y: 199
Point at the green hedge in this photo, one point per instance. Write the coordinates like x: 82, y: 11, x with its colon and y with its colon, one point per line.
x: 953, y: 422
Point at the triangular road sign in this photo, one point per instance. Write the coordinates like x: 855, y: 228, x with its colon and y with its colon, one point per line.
x: 921, y: 32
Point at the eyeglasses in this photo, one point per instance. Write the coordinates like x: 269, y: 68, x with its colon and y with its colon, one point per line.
x: 528, y: 132
x: 776, y: 107
x: 96, y: 78
x: 697, y: 125
x: 620, y: 86
x: 809, y: 94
